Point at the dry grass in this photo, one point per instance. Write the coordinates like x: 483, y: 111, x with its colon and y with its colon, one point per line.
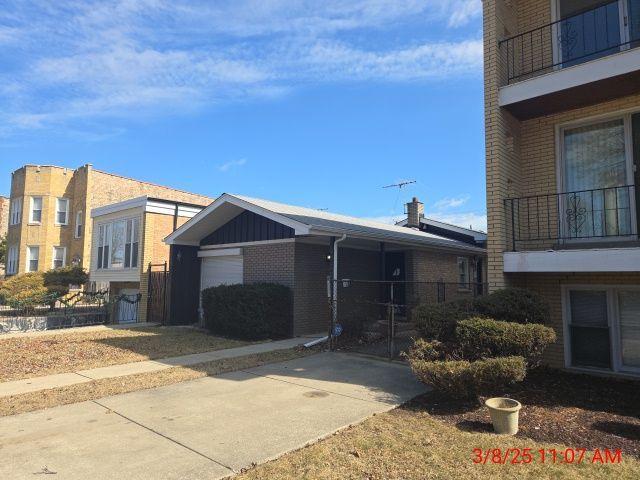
x: 410, y: 444
x: 24, y: 357
x: 95, y: 389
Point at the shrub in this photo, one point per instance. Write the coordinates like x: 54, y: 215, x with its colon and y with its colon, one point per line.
x: 26, y: 288
x: 438, y: 321
x: 254, y: 312
x: 59, y: 279
x: 485, y: 337
x: 427, y: 351
x: 462, y: 379
x: 513, y: 305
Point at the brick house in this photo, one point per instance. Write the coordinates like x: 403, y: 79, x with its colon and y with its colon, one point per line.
x: 4, y: 224
x: 239, y: 239
x: 562, y: 122
x: 50, y: 206
x: 127, y: 237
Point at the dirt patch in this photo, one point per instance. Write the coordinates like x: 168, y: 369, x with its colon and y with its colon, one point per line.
x: 24, y: 357
x: 95, y: 389
x: 580, y: 411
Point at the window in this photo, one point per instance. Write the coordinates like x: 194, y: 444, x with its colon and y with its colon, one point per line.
x: 15, y: 215
x: 596, y: 170
x: 33, y: 253
x: 62, y: 211
x: 118, y: 244
x: 463, y: 272
x: 78, y: 231
x: 59, y: 257
x: 12, y: 260
x: 36, y: 210
x: 603, y: 327
x: 131, y: 246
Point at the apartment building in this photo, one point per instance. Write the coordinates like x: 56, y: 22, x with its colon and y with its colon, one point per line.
x: 562, y: 119
x: 49, y: 217
x: 4, y: 224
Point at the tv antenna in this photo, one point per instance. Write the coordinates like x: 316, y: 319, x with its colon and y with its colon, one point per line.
x: 400, y: 185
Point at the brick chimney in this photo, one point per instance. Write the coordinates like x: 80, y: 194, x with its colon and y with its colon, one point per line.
x: 415, y: 211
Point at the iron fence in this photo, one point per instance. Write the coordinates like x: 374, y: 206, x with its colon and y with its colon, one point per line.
x: 79, y: 309
x: 377, y: 317
x: 590, y: 34
x: 539, y: 221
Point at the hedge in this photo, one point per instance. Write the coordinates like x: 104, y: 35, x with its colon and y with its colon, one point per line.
x: 253, y: 312
x: 438, y: 321
x: 463, y: 379
x: 485, y: 337
x: 513, y: 305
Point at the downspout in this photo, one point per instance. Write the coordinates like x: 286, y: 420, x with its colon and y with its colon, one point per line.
x: 334, y: 300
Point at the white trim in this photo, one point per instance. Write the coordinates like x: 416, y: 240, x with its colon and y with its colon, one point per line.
x: 79, y: 223
x: 117, y: 207
x: 66, y: 211
x: 15, y: 211
x: 31, y: 220
x: 568, y: 261
x: 28, y: 265
x: 613, y: 320
x: 236, y: 252
x: 13, y: 258
x: 162, y: 207
x: 624, y: 62
x: 64, y: 256
x: 247, y: 244
x: 300, y: 228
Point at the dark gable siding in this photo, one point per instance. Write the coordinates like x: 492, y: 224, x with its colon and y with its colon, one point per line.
x: 248, y: 227
x: 184, y: 286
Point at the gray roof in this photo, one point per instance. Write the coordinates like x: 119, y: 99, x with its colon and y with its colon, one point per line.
x: 307, y: 221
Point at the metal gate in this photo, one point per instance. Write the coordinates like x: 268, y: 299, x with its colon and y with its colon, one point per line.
x: 157, y: 299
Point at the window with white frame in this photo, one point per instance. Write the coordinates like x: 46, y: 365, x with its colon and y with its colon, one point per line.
x: 12, y: 260
x: 35, y: 215
x: 79, y: 229
x: 118, y: 244
x: 15, y: 214
x: 603, y: 327
x: 33, y: 255
x: 62, y: 211
x: 463, y: 272
x: 59, y: 257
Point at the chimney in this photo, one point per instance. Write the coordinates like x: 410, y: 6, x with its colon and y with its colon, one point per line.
x: 415, y: 211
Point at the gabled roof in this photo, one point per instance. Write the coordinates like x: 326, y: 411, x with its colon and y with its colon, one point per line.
x: 477, y: 235
x: 305, y: 221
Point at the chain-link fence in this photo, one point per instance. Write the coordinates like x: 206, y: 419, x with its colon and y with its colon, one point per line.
x: 377, y: 317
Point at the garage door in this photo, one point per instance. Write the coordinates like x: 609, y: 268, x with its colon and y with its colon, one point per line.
x: 226, y: 270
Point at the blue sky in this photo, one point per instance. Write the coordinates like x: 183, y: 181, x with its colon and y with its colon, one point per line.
x: 315, y: 103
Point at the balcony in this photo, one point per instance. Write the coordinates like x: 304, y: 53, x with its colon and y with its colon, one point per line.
x: 583, y: 231
x: 578, y: 60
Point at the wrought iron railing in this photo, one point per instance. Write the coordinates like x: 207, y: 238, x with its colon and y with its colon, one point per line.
x: 540, y: 221
x: 593, y: 33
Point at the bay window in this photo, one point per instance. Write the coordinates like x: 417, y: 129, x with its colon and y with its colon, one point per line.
x: 15, y: 215
x: 118, y: 244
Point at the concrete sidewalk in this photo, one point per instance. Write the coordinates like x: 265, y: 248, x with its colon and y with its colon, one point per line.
x: 34, y: 384
x: 207, y: 428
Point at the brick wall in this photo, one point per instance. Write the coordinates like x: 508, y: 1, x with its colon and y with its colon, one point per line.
x: 311, y: 305
x: 4, y: 216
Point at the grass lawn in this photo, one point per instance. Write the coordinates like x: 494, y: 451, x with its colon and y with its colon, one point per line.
x: 408, y: 443
x: 33, y: 356
x: 95, y: 389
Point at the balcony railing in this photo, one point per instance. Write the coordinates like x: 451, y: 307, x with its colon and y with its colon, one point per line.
x: 546, y: 221
x: 591, y: 34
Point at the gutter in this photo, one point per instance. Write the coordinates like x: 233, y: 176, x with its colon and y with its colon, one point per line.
x: 334, y: 299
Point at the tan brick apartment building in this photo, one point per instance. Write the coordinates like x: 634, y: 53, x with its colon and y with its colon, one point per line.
x: 562, y: 120
x: 50, y: 206
x: 4, y: 223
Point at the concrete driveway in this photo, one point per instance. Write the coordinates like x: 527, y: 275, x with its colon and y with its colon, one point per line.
x: 207, y: 428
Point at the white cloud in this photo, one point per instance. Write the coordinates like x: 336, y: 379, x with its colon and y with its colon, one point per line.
x: 225, y: 167
x: 449, y: 203
x: 74, y: 60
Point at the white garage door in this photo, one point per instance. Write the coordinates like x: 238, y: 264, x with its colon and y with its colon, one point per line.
x: 226, y: 270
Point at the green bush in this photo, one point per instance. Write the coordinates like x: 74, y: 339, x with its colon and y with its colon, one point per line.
x: 60, y: 278
x: 513, y: 305
x: 438, y: 321
x: 428, y: 351
x: 463, y: 379
x: 253, y: 312
x: 485, y: 337
x: 27, y: 288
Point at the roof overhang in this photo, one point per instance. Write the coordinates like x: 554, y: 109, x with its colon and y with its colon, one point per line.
x: 223, y: 209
